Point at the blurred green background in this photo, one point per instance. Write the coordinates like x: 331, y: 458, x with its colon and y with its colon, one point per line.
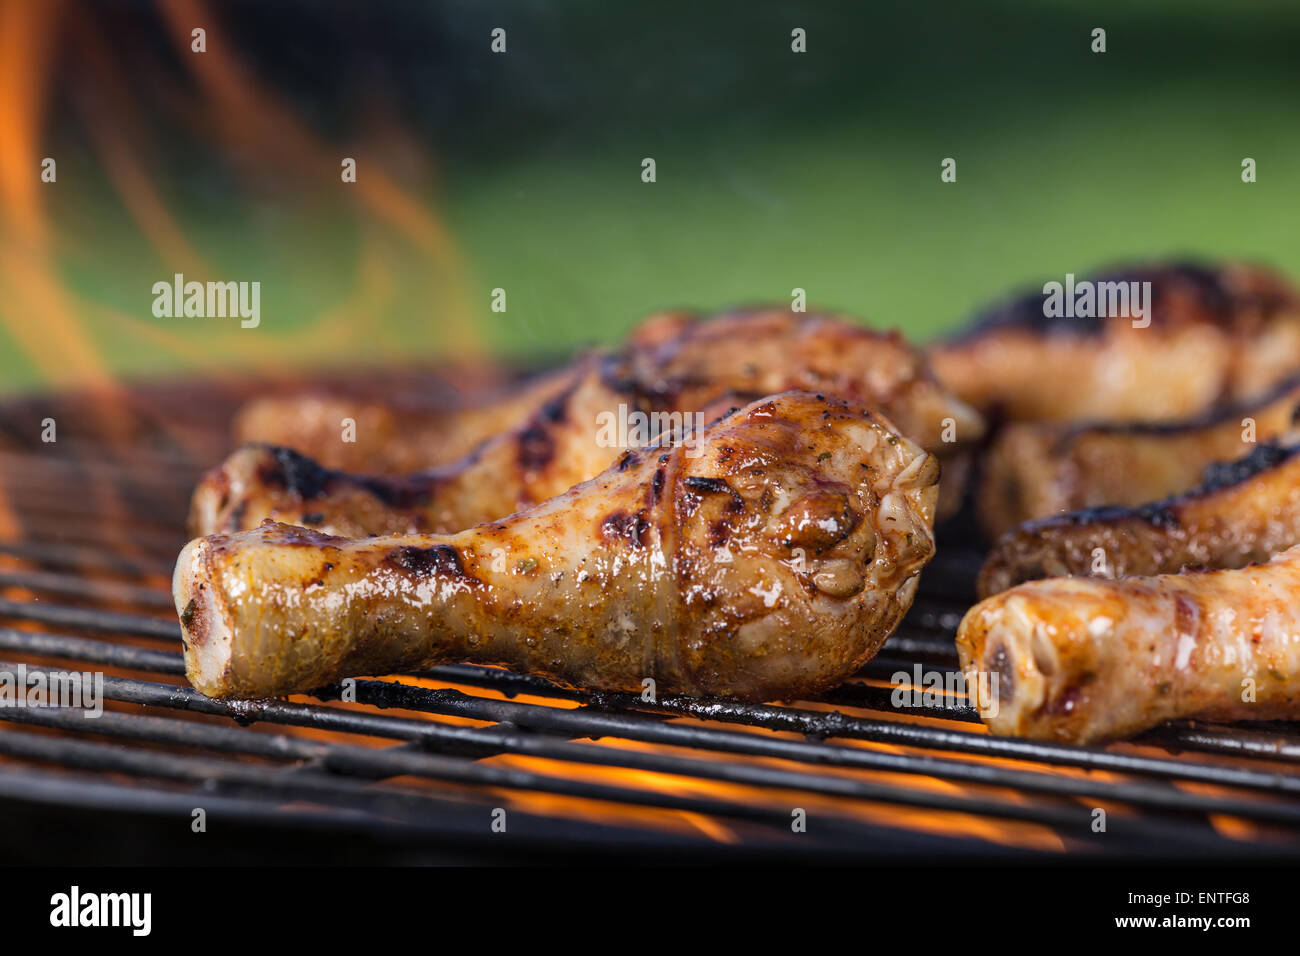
x: 522, y: 170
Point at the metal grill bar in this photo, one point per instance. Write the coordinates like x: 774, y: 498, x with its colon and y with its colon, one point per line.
x: 369, y: 763
x: 856, y: 750
x: 448, y: 823
x: 353, y: 761
x: 93, y: 652
x: 1280, y: 745
x: 92, y: 619
x: 586, y: 723
x: 613, y: 716
x: 365, y: 762
x: 86, y: 588
x: 83, y: 557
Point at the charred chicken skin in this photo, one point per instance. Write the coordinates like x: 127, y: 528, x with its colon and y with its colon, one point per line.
x: 1213, y: 336
x: 394, y: 437
x: 676, y: 367
x: 1083, y: 660
x: 771, y: 564
x: 1246, y: 511
x: 556, y: 448
x: 1037, y: 469
x: 682, y: 362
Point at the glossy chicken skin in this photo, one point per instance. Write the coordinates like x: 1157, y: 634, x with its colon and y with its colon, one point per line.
x: 772, y: 564
x: 554, y: 449
x: 392, y: 437
x: 682, y: 363
x: 1216, y: 335
x: 677, y: 367
x: 1083, y: 660
x: 1247, y: 510
x: 682, y: 360
x: 1037, y: 469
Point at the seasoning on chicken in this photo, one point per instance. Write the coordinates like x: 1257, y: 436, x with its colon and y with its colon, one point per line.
x: 1208, y: 336
x: 676, y: 366
x: 680, y: 363
x: 394, y: 437
x: 1082, y: 660
x: 1247, y: 510
x: 1037, y: 469
x: 554, y: 449
x: 771, y: 563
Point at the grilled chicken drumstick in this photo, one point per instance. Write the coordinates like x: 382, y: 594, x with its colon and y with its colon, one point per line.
x: 772, y: 564
x: 676, y: 366
x: 1037, y: 469
x: 681, y: 362
x: 1081, y: 660
x: 1246, y: 511
x: 1215, y: 335
x: 394, y: 438
x: 553, y: 450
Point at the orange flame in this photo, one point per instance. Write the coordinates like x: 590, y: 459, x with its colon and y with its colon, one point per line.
x: 51, y: 324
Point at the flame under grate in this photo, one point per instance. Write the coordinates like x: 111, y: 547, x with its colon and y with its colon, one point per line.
x: 89, y: 527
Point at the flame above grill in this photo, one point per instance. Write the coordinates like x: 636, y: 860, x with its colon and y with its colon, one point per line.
x: 70, y: 75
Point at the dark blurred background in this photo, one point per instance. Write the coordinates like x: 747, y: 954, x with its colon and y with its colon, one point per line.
x: 522, y: 170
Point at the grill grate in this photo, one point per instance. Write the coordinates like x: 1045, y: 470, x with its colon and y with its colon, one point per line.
x: 432, y: 755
